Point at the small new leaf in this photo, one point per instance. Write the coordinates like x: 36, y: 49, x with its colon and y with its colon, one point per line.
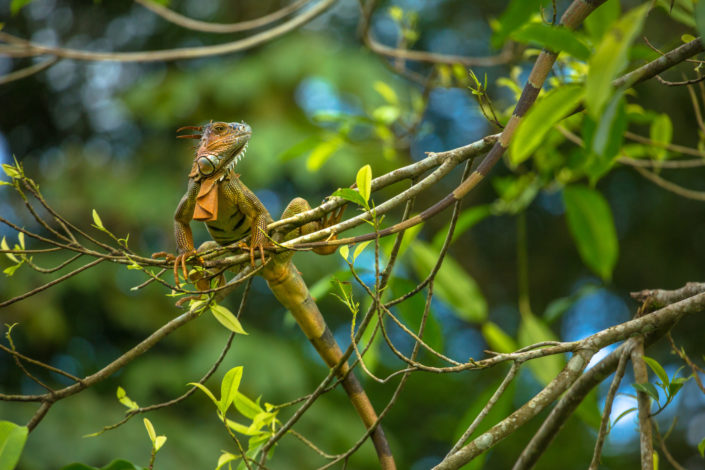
x: 125, y: 400
x: 658, y: 370
x: 227, y: 319
x: 159, y: 442
x: 364, y: 182
x: 344, y: 251
x: 701, y: 448
x: 351, y: 195
x: 647, y: 388
x: 150, y: 430
x: 4, y: 246
x: 225, y: 457
x: 96, y: 220
x: 11, y: 171
x: 229, y: 388
x: 359, y: 248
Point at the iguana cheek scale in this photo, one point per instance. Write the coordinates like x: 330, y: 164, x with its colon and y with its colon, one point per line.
x: 216, y: 196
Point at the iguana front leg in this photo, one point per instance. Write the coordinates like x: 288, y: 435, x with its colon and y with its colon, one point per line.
x: 255, y: 212
x: 182, y: 231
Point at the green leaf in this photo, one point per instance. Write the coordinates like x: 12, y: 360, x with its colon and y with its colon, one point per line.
x: 516, y: 14
x: 555, y: 106
x: 11, y: 171
x: 225, y: 457
x: 322, y: 152
x: 247, y: 407
x: 344, y: 251
x: 10, y: 270
x: 622, y: 415
x: 159, y: 442
x: 674, y: 387
x: 125, y: 400
x: 150, y: 430
x: 453, y: 285
x: 4, y: 246
x: 360, y: 248
x: 534, y: 330
x: 701, y: 448
x: 658, y: 370
x: 661, y: 131
x: 497, y: 339
x: 387, y: 92
x: 554, y: 38
x: 96, y: 220
x: 241, y: 428
x: 206, y: 391
x: 610, y: 58
x: 600, y: 20
x: 647, y: 388
x: 606, y: 138
x: 12, y: 439
x: 591, y: 224
x: 609, y: 133
x: 364, y: 182
x: 351, y: 195
x: 229, y: 388
x: 227, y: 319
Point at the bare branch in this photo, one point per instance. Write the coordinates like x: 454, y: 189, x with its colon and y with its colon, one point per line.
x: 607, y: 410
x: 641, y: 377
x: 206, y: 27
x: 33, y: 49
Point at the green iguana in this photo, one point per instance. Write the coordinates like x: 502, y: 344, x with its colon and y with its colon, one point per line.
x: 216, y: 196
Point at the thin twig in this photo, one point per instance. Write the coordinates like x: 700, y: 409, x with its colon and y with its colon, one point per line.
x: 51, y: 283
x: 206, y: 27
x: 607, y: 411
x: 28, y: 71
x: 487, y: 408
x: 670, y: 186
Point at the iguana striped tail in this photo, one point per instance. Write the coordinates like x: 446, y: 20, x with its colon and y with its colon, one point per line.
x: 289, y: 288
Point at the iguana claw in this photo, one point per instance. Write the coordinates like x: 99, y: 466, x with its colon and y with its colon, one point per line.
x: 179, y: 261
x: 251, y: 249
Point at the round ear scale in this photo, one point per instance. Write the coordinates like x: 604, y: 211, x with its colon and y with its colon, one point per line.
x: 189, y: 128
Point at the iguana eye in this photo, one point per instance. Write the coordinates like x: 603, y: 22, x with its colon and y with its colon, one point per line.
x: 219, y: 128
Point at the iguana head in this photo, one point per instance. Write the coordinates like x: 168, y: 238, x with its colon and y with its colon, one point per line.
x: 221, y: 146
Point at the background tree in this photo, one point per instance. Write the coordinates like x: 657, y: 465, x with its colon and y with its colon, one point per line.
x: 603, y: 175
